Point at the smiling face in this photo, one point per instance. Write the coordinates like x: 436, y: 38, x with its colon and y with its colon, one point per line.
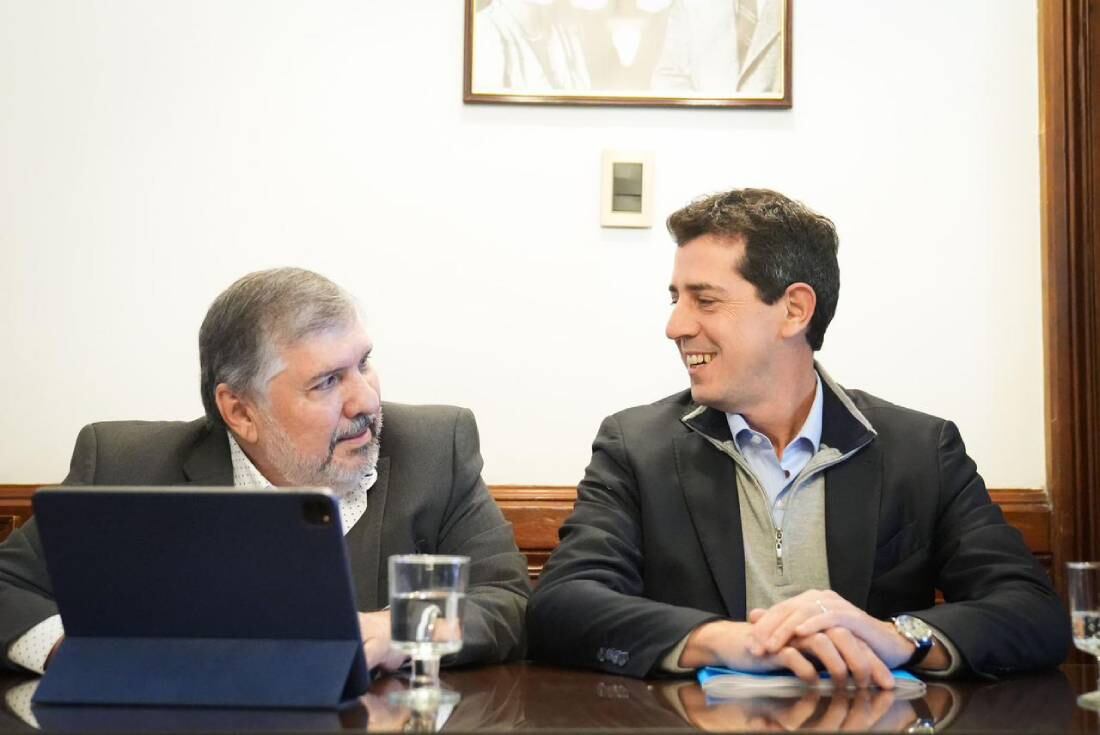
x: 729, y: 340
x: 320, y: 421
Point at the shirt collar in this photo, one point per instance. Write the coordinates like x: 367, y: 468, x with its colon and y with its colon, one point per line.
x: 811, y: 427
x: 245, y: 474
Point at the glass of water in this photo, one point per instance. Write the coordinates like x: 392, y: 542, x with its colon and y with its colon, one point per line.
x: 427, y: 599
x: 1083, y: 578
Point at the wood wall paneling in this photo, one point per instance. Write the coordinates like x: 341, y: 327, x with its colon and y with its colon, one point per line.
x: 1069, y: 50
x: 536, y: 513
x: 15, y: 507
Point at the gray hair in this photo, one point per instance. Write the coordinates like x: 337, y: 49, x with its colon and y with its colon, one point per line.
x: 247, y: 325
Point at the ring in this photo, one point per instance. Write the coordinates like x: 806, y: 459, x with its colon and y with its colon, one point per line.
x: 824, y: 610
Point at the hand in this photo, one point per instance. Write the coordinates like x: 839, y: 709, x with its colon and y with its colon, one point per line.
x: 374, y: 627
x: 818, y: 611
x: 845, y: 656
x: 726, y: 643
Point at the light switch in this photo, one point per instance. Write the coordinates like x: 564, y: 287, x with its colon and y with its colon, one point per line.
x: 626, y: 189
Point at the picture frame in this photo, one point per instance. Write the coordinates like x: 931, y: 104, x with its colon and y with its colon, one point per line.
x: 654, y: 53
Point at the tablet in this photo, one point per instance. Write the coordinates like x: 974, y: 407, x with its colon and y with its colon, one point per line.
x: 200, y: 596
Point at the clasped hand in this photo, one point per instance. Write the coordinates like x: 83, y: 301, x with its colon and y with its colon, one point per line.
x: 817, y: 625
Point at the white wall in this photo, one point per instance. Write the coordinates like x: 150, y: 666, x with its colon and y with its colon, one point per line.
x: 151, y: 152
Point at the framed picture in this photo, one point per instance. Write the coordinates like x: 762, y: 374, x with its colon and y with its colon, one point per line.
x: 698, y: 53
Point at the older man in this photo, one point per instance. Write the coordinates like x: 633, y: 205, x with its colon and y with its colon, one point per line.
x: 769, y: 518
x: 292, y: 399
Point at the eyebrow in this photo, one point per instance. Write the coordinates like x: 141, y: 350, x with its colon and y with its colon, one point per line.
x: 334, y: 371
x: 698, y: 288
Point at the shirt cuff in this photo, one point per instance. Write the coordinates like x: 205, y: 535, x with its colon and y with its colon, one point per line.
x: 670, y: 664
x: 18, y: 699
x: 32, y: 648
x: 952, y: 652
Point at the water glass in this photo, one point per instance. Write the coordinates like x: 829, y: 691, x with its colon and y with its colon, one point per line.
x: 427, y: 599
x: 1083, y: 579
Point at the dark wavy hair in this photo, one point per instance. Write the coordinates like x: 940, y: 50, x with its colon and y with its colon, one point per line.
x: 785, y: 242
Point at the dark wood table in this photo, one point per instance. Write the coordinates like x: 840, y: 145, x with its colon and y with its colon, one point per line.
x: 531, y: 697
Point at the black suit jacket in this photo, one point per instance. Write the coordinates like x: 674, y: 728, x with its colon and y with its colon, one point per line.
x: 653, y: 548
x: 429, y: 498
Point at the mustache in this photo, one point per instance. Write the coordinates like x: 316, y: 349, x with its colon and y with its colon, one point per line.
x: 358, y: 425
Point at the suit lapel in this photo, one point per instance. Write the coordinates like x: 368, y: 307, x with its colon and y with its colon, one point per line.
x: 766, y: 34
x: 709, y: 480
x: 209, y: 462
x: 365, y: 545
x: 853, y: 492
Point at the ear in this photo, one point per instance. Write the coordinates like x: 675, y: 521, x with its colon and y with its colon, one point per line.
x: 238, y: 413
x: 801, y: 302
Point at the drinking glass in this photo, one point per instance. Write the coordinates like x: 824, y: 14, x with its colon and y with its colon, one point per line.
x: 1083, y: 578
x: 427, y: 598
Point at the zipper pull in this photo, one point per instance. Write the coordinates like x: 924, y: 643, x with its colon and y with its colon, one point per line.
x: 779, y: 550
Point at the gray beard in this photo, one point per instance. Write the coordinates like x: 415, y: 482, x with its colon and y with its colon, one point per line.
x: 303, y: 471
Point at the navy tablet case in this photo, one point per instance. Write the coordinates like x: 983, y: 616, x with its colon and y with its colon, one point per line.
x: 200, y: 596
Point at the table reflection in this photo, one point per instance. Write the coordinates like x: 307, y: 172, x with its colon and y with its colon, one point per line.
x: 376, y: 711
x: 868, y: 710
x: 531, y: 697
x: 534, y: 697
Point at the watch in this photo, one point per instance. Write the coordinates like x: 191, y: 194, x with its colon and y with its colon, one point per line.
x: 917, y: 632
x: 925, y: 724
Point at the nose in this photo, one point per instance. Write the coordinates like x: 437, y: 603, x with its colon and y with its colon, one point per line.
x: 362, y: 394
x: 680, y: 324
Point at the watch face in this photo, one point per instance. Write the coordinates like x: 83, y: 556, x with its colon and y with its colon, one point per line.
x: 913, y: 628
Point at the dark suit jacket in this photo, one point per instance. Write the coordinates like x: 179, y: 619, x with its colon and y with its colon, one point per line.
x: 653, y: 548
x: 429, y: 498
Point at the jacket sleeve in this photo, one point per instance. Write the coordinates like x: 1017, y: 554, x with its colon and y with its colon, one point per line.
x: 1000, y: 610
x: 473, y: 526
x: 26, y: 595
x: 589, y: 608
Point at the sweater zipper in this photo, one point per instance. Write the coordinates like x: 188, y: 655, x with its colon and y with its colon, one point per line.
x: 727, y: 449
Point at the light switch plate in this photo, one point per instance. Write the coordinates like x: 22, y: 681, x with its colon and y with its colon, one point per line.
x: 626, y: 192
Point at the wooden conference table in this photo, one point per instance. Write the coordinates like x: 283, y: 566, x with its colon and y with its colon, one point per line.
x: 531, y: 697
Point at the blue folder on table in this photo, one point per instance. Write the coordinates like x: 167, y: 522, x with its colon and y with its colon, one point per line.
x: 722, y: 683
x: 200, y: 596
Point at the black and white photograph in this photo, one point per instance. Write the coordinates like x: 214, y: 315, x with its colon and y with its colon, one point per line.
x: 629, y: 52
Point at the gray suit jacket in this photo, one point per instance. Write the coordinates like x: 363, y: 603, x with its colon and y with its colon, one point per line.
x: 429, y: 498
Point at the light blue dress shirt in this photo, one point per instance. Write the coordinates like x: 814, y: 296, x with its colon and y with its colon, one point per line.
x: 776, y: 475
